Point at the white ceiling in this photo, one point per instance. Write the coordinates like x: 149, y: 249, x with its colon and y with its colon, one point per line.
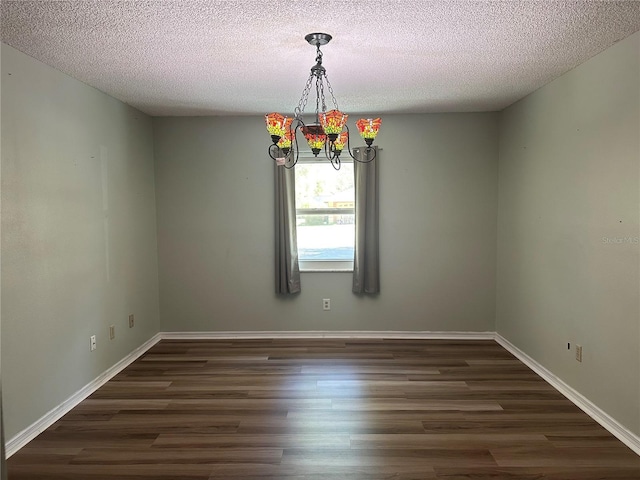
x: 247, y: 57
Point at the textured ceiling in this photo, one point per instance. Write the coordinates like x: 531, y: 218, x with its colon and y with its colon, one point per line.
x: 247, y: 57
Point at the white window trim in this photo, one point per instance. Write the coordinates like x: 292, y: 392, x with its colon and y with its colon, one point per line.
x: 309, y: 266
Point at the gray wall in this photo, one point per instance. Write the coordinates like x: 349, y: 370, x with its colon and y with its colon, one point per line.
x: 79, y: 231
x: 3, y: 470
x: 568, y: 253
x: 78, y: 235
x: 438, y: 201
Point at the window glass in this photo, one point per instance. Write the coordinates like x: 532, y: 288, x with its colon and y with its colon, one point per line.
x: 325, y: 202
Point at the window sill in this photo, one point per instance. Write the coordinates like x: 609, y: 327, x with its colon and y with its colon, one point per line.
x: 332, y: 270
x: 326, y: 266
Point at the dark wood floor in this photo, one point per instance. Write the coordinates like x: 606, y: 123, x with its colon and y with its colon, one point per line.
x: 325, y: 409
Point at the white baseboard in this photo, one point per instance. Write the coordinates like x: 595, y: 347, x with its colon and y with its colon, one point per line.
x: 619, y: 431
x: 32, y: 431
x: 627, y: 437
x: 328, y: 334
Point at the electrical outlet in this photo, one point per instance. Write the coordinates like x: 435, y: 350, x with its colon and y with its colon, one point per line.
x: 326, y: 304
x: 131, y: 321
x: 112, y: 332
x: 579, y: 353
x: 92, y: 341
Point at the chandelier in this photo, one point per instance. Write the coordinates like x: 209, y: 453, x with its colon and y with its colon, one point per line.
x: 329, y: 131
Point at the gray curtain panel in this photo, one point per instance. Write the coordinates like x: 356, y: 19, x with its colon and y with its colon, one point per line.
x: 287, y: 268
x: 366, y: 271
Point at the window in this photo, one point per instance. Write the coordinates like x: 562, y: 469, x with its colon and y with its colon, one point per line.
x: 325, y: 215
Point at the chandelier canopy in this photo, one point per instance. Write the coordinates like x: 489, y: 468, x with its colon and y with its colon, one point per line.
x: 328, y: 132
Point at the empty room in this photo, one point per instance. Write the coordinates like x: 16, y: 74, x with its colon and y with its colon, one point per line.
x: 320, y: 240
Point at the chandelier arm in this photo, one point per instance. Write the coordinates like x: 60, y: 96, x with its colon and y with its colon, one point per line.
x: 349, y: 143
x: 290, y: 157
x: 329, y: 151
x: 294, y: 140
x: 332, y: 155
x: 270, y: 154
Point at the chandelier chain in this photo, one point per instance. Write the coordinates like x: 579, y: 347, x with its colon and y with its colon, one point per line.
x: 324, y: 104
x: 304, y: 98
x: 333, y: 97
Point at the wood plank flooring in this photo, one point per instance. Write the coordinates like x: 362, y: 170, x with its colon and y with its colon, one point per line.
x: 325, y: 409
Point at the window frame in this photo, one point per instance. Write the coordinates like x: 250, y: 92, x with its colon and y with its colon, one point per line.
x: 323, y: 265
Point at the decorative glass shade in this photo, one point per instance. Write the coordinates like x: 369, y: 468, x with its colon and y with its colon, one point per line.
x: 333, y: 121
x: 277, y: 124
x: 285, y: 140
x: 368, y: 127
x: 340, y: 142
x: 316, y: 141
